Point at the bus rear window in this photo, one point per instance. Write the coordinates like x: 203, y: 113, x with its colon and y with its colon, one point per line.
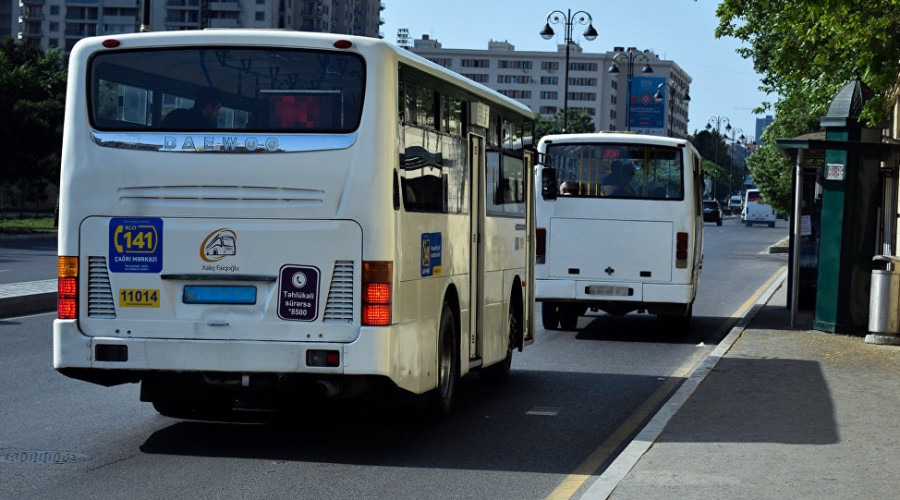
x: 617, y: 170
x: 227, y: 88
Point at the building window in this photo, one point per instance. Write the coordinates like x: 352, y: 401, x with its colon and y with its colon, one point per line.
x: 442, y: 61
x: 550, y: 65
x: 582, y: 96
x: 548, y: 110
x: 549, y: 80
x: 546, y: 94
x: 583, y: 82
x: 54, y: 10
x: 513, y: 64
x: 521, y: 79
x: 582, y: 66
x: 260, y: 16
x: 54, y: 26
x: 476, y: 63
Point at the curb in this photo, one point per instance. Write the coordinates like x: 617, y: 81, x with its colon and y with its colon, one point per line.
x: 607, y: 482
x: 23, y: 305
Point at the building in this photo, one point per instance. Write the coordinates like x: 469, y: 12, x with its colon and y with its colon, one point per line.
x: 61, y: 23
x: 761, y: 124
x: 537, y: 79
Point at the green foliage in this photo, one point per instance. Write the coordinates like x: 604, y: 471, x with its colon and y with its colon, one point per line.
x: 579, y: 121
x: 32, y: 101
x: 807, y: 50
x: 27, y: 225
x: 727, y: 177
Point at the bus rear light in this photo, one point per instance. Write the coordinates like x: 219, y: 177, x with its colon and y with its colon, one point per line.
x: 343, y: 44
x: 67, y: 288
x: 376, y: 315
x: 540, y: 246
x: 681, y: 250
x: 110, y: 43
x: 377, y: 292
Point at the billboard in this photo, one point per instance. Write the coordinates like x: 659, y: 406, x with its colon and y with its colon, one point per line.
x: 646, y: 115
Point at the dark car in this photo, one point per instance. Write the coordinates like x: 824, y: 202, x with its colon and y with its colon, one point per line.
x: 712, y: 212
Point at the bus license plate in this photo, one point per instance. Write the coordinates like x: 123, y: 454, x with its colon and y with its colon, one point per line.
x: 138, y: 297
x: 615, y: 291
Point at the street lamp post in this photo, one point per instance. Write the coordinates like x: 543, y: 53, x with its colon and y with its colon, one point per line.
x: 718, y: 121
x: 569, y: 19
x: 683, y: 96
x: 631, y: 54
x: 735, y: 133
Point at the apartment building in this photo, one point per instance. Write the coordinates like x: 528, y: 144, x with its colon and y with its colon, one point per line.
x: 61, y: 23
x: 537, y: 79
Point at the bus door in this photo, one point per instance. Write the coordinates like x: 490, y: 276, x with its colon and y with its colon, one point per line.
x: 530, y: 224
x: 476, y: 237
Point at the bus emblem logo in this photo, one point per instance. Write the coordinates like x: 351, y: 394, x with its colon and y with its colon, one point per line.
x: 218, y: 244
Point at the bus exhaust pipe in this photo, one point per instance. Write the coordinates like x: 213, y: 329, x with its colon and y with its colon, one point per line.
x: 327, y: 388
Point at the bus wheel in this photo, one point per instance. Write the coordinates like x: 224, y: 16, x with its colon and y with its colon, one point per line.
x: 568, y: 317
x: 498, y: 373
x: 550, y: 315
x: 681, y: 323
x: 440, y: 399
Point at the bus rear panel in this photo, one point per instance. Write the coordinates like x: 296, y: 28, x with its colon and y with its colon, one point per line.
x: 623, y: 231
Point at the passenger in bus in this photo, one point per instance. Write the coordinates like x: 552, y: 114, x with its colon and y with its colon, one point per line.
x: 202, y: 115
x: 618, y: 182
x: 567, y: 188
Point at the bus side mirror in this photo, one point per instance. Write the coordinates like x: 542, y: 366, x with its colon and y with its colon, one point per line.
x: 549, y: 189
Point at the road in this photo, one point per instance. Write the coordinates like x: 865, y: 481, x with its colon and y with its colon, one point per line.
x: 27, y: 258
x: 574, y: 400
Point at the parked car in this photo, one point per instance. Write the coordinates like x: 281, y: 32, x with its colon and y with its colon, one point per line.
x: 735, y: 204
x: 712, y: 212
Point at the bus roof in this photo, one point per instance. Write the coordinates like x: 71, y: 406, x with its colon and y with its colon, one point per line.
x: 286, y: 39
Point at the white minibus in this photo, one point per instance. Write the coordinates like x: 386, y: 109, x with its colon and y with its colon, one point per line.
x: 757, y: 211
x: 260, y: 214
x: 619, y: 227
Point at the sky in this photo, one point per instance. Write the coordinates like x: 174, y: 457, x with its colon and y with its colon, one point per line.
x: 724, y: 84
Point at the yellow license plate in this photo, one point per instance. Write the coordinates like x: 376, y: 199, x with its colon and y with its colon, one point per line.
x: 138, y: 297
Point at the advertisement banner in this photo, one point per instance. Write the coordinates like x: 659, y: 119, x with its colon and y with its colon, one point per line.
x: 646, y: 115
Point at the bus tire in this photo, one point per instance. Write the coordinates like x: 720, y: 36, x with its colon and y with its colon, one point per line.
x: 499, y: 372
x: 568, y: 317
x: 440, y: 399
x: 550, y: 316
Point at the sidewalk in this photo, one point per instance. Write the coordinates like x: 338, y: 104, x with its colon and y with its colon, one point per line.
x: 781, y: 414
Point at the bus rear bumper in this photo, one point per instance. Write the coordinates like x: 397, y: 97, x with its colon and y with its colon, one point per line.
x: 376, y: 352
x: 585, y: 291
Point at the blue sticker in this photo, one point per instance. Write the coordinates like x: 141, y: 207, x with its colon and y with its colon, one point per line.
x: 298, y: 293
x: 431, y: 254
x: 135, y: 245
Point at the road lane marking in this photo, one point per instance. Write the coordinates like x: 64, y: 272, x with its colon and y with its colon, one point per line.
x: 574, y: 481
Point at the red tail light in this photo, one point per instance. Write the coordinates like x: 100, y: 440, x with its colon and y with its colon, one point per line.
x: 681, y: 250
x: 377, y: 293
x: 540, y: 246
x: 67, y: 288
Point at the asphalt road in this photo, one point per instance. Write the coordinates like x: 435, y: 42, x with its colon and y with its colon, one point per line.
x: 574, y: 399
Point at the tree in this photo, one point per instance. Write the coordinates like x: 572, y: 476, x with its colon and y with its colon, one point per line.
x: 579, y: 121
x: 32, y: 101
x: 806, y: 51
x: 717, y: 165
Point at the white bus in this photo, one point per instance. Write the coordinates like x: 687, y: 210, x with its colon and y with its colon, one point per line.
x: 352, y: 217
x: 619, y: 227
